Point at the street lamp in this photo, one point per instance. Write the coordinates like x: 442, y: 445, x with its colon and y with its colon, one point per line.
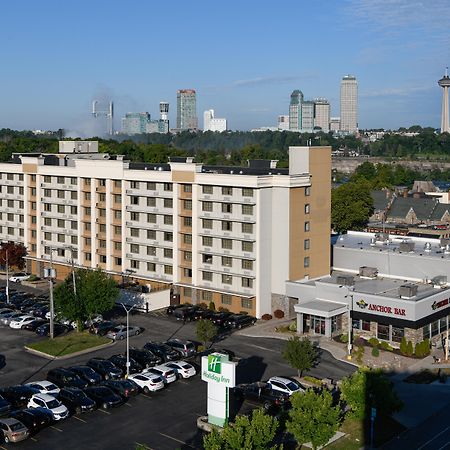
x: 7, y: 278
x: 128, y: 337
x: 350, y: 325
x: 50, y: 274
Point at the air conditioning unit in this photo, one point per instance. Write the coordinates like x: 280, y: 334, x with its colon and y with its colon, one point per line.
x: 439, y: 281
x: 368, y: 272
x: 406, y: 246
x: 345, y: 280
x: 407, y: 290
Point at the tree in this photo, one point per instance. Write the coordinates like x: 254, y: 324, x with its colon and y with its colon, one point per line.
x: 351, y: 206
x: 96, y: 293
x: 300, y: 354
x: 205, y: 331
x: 313, y: 418
x: 369, y: 388
x: 16, y: 254
x: 255, y: 433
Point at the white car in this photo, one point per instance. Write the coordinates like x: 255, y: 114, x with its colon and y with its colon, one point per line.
x: 58, y: 410
x: 162, y: 370
x: 182, y: 368
x: 44, y: 387
x: 18, y: 322
x: 147, y: 381
x: 285, y: 385
x: 19, y: 277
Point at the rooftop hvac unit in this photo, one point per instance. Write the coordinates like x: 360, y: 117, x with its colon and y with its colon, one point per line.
x: 368, y: 272
x: 406, y: 246
x: 408, y: 290
x: 345, y: 280
x: 382, y: 238
x: 427, y: 247
x: 372, y: 242
x: 444, y: 242
x: 447, y: 248
x: 439, y: 281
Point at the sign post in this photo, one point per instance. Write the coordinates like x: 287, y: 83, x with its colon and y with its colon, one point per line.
x: 220, y: 374
x: 372, y: 421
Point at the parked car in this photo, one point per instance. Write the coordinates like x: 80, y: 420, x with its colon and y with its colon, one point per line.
x: 42, y: 312
x: 58, y: 329
x: 102, y: 328
x: 5, y: 406
x: 13, y: 430
x: 125, y: 388
x: 164, y: 351
x: 44, y: 387
x: 184, y: 348
x: 121, y: 362
x: 97, y: 318
x: 19, y: 322
x: 58, y: 410
x: 33, y: 418
x: 76, y: 400
x: 186, y: 313
x: 87, y: 374
x: 6, y: 318
x: 65, y: 378
x: 182, y: 368
x: 262, y: 394
x: 18, y: 277
x: 239, y: 321
x: 202, y: 313
x: 220, y: 318
x: 105, y: 368
x: 119, y: 332
x: 145, y: 357
x: 286, y: 385
x: 5, y: 312
x: 104, y: 397
x: 170, y: 309
x: 166, y: 373
x: 31, y: 326
x: 2, y: 361
x: 148, y: 382
x: 18, y: 395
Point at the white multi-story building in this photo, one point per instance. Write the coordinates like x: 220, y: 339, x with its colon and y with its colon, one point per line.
x: 307, y: 116
x: 232, y: 235
x: 211, y: 123
x: 349, y: 104
x: 335, y: 124
x: 322, y: 114
x: 283, y: 122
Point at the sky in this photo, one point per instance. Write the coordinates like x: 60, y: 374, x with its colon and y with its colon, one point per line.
x: 244, y: 58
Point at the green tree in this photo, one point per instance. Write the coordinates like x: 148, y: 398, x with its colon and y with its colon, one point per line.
x: 96, y: 293
x: 351, y: 206
x: 255, y: 433
x: 313, y: 418
x: 206, y: 331
x: 300, y: 354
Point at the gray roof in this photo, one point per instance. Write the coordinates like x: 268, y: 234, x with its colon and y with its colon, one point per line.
x: 439, y: 211
x: 380, y: 199
x: 423, y: 207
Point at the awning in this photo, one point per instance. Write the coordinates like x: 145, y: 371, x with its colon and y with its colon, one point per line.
x: 321, y: 308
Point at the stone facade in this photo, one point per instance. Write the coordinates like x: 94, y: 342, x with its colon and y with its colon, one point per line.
x: 285, y: 303
x: 415, y: 336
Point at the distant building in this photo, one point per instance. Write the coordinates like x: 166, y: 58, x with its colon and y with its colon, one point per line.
x: 211, y: 123
x: 295, y: 111
x: 335, y: 124
x: 140, y: 123
x: 187, y: 110
x: 322, y: 114
x: 349, y: 104
x: 307, y: 116
x: 283, y: 122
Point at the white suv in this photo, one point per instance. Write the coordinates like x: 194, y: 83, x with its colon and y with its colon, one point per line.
x: 147, y: 381
x: 58, y: 410
x: 285, y: 385
x: 18, y: 277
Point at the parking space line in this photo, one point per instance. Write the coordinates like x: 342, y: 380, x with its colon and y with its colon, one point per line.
x: 262, y: 348
x: 182, y: 382
x: 175, y: 439
x: 33, y: 439
x: 147, y: 397
x: 56, y: 428
x: 78, y: 418
x: 168, y: 390
x: 127, y: 404
x: 143, y: 445
x: 104, y: 412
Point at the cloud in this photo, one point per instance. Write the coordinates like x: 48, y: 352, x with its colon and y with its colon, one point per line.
x: 258, y: 81
x: 396, y: 92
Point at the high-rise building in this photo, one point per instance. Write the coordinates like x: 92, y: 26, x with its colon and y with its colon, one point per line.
x: 349, y: 104
x: 135, y: 123
x: 211, y: 123
x: 186, y: 109
x: 307, y: 116
x: 335, y: 124
x: 322, y: 114
x: 295, y: 111
x: 283, y: 122
x: 444, y: 83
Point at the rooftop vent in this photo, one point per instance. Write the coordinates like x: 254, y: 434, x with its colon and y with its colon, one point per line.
x: 444, y: 242
x: 406, y: 246
x: 372, y: 242
x: 427, y: 247
x: 439, y: 281
x: 345, y: 280
x: 447, y: 249
x: 407, y: 290
x: 368, y: 272
x: 382, y: 238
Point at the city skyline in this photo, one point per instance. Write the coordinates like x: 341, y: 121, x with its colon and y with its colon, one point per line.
x: 397, y: 51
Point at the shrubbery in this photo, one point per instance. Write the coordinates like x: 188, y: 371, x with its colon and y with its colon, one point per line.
x: 385, y: 346
x: 344, y: 338
x: 374, y: 342
x: 293, y: 326
x: 422, y: 348
x: 375, y: 352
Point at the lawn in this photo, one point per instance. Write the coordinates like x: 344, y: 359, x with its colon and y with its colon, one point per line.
x: 70, y: 343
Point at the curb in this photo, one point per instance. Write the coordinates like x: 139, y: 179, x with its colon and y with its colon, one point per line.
x: 71, y: 355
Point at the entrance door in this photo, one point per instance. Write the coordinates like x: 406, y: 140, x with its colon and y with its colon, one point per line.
x: 306, y: 323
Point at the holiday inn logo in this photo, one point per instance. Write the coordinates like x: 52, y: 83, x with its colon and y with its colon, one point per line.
x: 214, y: 364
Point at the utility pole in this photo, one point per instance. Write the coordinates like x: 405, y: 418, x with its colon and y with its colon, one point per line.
x: 128, y: 337
x: 73, y: 271
x: 7, y: 278
x: 52, y: 305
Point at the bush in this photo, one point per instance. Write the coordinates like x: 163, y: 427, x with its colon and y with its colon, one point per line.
x: 33, y: 278
x: 422, y: 348
x: 293, y: 326
x: 375, y: 352
x: 278, y: 314
x: 359, y: 354
x: 385, y: 346
x: 313, y: 380
x: 344, y: 338
x: 266, y: 317
x: 212, y: 306
x: 403, y: 346
x: 409, y: 349
x: 374, y: 342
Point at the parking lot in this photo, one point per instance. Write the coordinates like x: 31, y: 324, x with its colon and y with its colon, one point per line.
x: 161, y: 420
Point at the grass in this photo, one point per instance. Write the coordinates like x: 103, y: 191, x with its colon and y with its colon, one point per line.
x: 70, y: 343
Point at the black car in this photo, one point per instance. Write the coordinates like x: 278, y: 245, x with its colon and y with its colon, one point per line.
x: 31, y: 326
x: 124, y: 388
x: 186, y: 313
x: 34, y: 419
x: 86, y: 373
x: 104, y: 397
x: 58, y: 329
x: 202, y: 313
x: 18, y: 395
x: 65, y: 378
x: 220, y: 318
x: 102, y: 328
x: 121, y: 362
x: 76, y: 400
x: 262, y: 394
x: 105, y: 368
x: 42, y: 311
x: 27, y: 303
x: 5, y: 406
x: 145, y: 357
x: 164, y: 351
x: 2, y: 361
x: 170, y: 309
x: 239, y: 321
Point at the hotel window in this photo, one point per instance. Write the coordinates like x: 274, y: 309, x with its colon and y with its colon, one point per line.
x: 225, y: 299
x: 207, y: 241
x: 227, y: 225
x: 61, y: 252
x: 33, y: 248
x: 33, y: 234
x: 151, y: 267
x: 207, y: 224
x: 73, y: 181
x: 47, y: 192
x: 10, y: 189
x: 48, y: 236
x: 151, y: 186
x: 246, y: 303
x: 10, y: 217
x: 227, y: 244
x: 208, y: 190
x: 134, y: 264
x: 307, y: 208
x: 207, y: 259
x: 102, y: 182
x: 102, y: 197
x: 88, y: 256
x: 10, y: 230
x: 102, y: 212
x: 307, y: 191
x: 168, y: 220
x: 47, y: 206
x: 61, y: 209
x: 306, y: 261
x: 117, y: 184
x: 383, y: 332
x: 247, y: 228
x: 134, y: 200
x: 33, y: 206
x: 307, y: 226
x: 227, y: 208
x: 247, y: 246
x: 207, y: 206
x: 117, y: 214
x: 61, y: 223
x: 21, y: 204
x: 10, y: 203
x: 86, y: 182
x: 134, y: 184
x: 134, y: 248
x: 117, y: 199
x: 187, y: 292
x: 151, y: 234
x: 117, y: 230
x: 227, y: 190
x: 60, y: 180
x: 87, y: 211
x: 247, y: 192
x: 102, y: 228
x: 102, y: 243
x: 87, y: 226
x: 168, y: 237
x: 187, y: 187
x: 33, y: 219
x: 247, y: 282
x: 187, y: 273
x: 33, y: 177
x: 187, y: 256
x: 134, y: 232
x: 118, y: 246
x: 73, y: 210
x: 48, y: 222
x: 187, y: 239
x: 87, y: 195
x: 87, y: 242
x: 207, y: 276
x: 151, y: 202
x: 187, y: 221
x: 397, y: 334
x: 33, y: 192
x: 247, y: 210
x: 47, y: 178
x: 118, y: 261
x: 207, y: 296
x: 168, y: 253
x: 20, y: 190
x: 168, y: 187
x: 20, y: 176
x: 247, y: 264
x: 227, y: 261
x: 227, y: 279
x: 151, y: 218
x: 306, y: 244
x: 168, y: 203
x: 187, y: 204
x: 61, y: 238
x: 73, y: 195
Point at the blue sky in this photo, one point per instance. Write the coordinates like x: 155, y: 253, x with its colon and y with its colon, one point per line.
x: 243, y: 57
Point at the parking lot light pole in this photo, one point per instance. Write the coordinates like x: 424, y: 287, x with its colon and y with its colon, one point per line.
x: 7, y: 278
x: 128, y: 337
x: 52, y: 305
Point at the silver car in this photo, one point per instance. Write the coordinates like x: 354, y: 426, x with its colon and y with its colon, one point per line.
x: 120, y: 332
x: 6, y: 318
